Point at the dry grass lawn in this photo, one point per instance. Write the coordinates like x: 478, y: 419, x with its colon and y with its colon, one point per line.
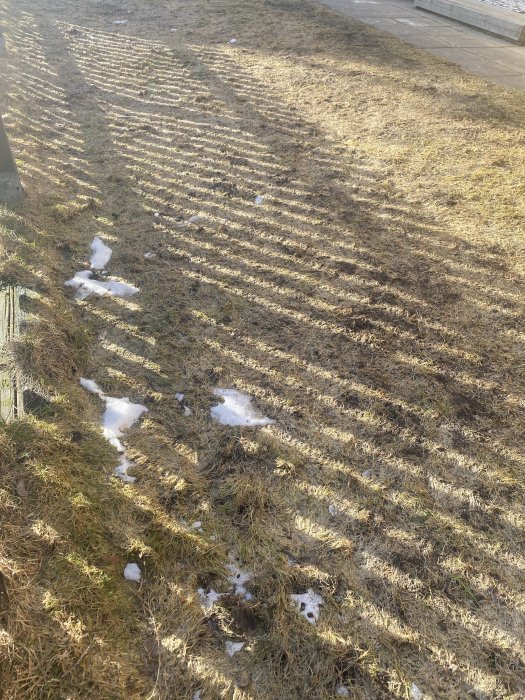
x: 372, y: 305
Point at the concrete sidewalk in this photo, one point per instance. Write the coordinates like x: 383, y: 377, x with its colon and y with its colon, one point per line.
x: 490, y: 57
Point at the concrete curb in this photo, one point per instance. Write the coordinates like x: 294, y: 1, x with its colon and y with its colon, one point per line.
x: 494, y: 20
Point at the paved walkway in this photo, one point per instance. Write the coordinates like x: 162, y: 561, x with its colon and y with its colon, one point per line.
x: 490, y: 57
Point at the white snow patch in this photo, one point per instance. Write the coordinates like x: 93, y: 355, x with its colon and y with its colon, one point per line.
x: 232, y: 41
x: 415, y: 692
x: 343, y: 692
x: 150, y: 256
x: 120, y: 21
x: 122, y: 470
x: 233, y: 648
x: 237, y: 579
x: 333, y: 510
x: 101, y: 254
x: 186, y: 409
x: 174, y: 30
x: 308, y: 605
x: 91, y: 386
x: 86, y: 286
x: 259, y: 199
x: 119, y: 415
x: 132, y: 572
x: 237, y: 409
x: 209, y: 599
x: 156, y: 214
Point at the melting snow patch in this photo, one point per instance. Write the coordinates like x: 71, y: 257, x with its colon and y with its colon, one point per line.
x: 343, y: 692
x: 86, y: 286
x: 237, y: 409
x: 237, y: 579
x: 415, y: 692
x: 186, y: 409
x: 233, y: 647
x: 232, y: 41
x: 132, y: 573
x: 308, y: 605
x: 150, y: 256
x: 120, y: 21
x: 91, y: 386
x: 119, y: 415
x: 101, y: 254
x: 259, y: 199
x: 209, y: 599
x: 122, y: 470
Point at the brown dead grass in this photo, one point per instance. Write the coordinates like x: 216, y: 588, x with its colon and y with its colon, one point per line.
x: 373, y: 306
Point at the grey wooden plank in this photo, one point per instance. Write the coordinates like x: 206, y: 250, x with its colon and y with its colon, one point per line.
x: 11, y: 393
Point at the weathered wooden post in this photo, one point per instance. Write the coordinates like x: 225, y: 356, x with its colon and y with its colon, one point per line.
x: 11, y: 393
